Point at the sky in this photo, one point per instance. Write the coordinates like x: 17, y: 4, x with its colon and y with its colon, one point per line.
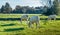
x: 13, y: 3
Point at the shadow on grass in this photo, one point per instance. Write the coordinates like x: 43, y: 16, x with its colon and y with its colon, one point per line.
x: 13, y: 29
x: 8, y: 25
x: 53, y: 30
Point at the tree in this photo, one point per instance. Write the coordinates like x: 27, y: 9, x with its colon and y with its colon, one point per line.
x: 18, y: 9
x: 24, y: 9
x: 2, y: 8
x: 7, y: 9
x: 48, y: 9
x: 56, y: 7
x: 30, y: 10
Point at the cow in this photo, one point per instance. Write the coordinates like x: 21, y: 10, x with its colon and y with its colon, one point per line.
x: 24, y: 18
x: 50, y: 17
x: 32, y: 20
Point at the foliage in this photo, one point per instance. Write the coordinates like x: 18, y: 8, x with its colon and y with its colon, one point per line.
x: 56, y: 7
x: 6, y: 8
x: 51, y: 8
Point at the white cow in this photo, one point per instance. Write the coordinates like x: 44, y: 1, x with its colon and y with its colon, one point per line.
x: 34, y: 19
x: 24, y: 18
x: 52, y: 17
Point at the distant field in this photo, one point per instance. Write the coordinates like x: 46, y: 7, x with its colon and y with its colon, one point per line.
x: 50, y: 28
x: 19, y: 15
x: 16, y: 28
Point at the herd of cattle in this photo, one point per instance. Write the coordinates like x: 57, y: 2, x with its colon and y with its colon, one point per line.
x: 35, y: 19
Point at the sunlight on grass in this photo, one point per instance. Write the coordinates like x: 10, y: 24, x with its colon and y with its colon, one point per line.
x: 19, y: 15
x: 50, y: 28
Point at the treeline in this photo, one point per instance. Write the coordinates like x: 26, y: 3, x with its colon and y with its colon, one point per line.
x: 22, y: 9
x: 32, y: 10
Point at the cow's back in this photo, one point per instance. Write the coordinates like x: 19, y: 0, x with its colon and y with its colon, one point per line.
x: 34, y: 18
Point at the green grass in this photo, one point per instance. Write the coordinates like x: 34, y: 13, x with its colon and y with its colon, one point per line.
x: 50, y: 28
x: 16, y: 28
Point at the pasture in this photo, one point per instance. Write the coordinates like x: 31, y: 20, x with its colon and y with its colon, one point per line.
x: 16, y: 28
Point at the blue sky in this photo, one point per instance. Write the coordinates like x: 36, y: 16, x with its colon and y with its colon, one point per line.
x: 30, y: 3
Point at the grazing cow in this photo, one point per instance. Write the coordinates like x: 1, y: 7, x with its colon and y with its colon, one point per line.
x: 24, y: 18
x: 32, y: 20
x: 50, y: 17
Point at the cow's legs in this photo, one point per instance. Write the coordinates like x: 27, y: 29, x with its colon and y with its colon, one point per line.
x: 21, y: 21
x: 37, y: 25
x: 27, y: 21
x: 49, y: 19
x: 29, y: 24
x: 54, y: 19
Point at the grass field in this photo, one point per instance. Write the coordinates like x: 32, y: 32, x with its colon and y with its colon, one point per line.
x: 16, y: 28
x: 50, y: 28
x: 19, y: 15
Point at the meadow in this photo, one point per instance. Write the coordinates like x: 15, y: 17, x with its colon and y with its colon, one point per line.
x: 16, y: 28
